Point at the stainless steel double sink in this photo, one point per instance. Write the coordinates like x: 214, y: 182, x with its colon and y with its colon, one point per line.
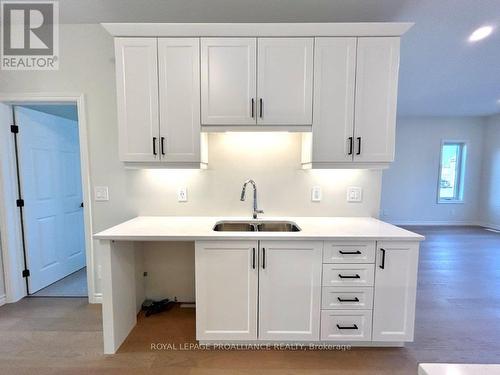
x: 256, y: 226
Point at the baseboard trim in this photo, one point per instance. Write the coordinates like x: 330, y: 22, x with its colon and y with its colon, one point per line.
x: 3, y: 300
x: 97, y: 298
x: 490, y: 225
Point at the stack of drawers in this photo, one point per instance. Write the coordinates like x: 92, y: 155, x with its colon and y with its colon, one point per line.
x: 347, y: 290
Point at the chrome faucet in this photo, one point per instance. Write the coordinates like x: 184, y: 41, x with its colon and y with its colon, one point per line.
x: 255, y: 209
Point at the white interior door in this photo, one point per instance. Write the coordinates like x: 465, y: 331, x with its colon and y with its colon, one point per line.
x: 290, y: 290
x: 226, y: 290
x: 137, y: 98
x: 285, y: 81
x: 179, y: 84
x: 228, y: 81
x: 395, y: 291
x: 333, y: 120
x: 376, y: 99
x: 49, y: 157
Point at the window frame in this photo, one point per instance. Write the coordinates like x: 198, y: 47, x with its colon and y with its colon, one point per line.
x: 460, y: 197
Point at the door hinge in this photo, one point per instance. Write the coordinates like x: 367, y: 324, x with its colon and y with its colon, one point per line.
x: 14, y: 129
x: 20, y: 203
x: 26, y: 273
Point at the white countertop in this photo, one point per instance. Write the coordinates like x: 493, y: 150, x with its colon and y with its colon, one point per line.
x: 190, y: 228
x: 457, y: 369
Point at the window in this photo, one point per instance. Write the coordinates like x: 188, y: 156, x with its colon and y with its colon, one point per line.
x: 451, y: 172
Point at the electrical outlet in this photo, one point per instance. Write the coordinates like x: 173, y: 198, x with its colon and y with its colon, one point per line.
x: 354, y: 194
x: 101, y: 193
x: 182, y: 194
x: 316, y: 194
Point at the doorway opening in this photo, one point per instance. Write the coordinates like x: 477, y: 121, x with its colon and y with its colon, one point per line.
x: 50, y: 198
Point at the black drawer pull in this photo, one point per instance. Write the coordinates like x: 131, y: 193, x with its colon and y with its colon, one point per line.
x: 154, y: 146
x: 253, y: 258
x: 350, y: 145
x: 359, y: 146
x: 355, y: 299
x: 354, y: 326
x: 349, y: 276
x: 349, y: 252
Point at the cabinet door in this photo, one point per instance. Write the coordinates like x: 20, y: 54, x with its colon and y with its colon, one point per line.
x: 228, y: 79
x: 285, y: 80
x: 226, y: 290
x: 137, y: 98
x: 376, y: 99
x: 179, y: 84
x: 289, y: 290
x: 395, y: 291
x: 333, y: 124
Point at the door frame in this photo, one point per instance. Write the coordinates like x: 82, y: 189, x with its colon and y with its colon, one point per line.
x: 11, y: 245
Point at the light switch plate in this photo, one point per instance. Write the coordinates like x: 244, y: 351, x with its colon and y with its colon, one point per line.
x: 101, y: 193
x: 182, y: 194
x: 316, y: 194
x: 354, y: 194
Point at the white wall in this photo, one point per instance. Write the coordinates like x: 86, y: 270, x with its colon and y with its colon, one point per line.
x: 87, y: 66
x: 490, y: 182
x: 409, y: 187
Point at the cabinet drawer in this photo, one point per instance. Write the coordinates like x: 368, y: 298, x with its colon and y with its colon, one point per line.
x: 346, y: 325
x: 349, y: 252
x: 347, y: 298
x: 348, y: 274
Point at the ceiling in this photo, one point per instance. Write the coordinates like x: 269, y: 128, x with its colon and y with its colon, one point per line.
x: 441, y: 73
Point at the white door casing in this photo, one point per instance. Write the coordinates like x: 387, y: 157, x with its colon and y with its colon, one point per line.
x: 395, y: 291
x: 228, y: 81
x: 49, y: 157
x: 179, y: 86
x: 289, y: 290
x: 137, y: 98
x: 285, y: 81
x: 226, y: 290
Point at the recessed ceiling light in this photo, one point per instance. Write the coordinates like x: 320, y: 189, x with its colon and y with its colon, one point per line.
x: 480, y: 33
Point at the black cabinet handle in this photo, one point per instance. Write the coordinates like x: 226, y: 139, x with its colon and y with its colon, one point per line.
x: 261, y: 106
x: 163, y: 145
x: 154, y: 146
x: 382, y: 264
x: 263, y: 258
x: 349, y: 276
x: 349, y: 252
x: 355, y: 299
x: 354, y: 326
x: 253, y: 258
x: 359, y: 146
x: 350, y: 145
x: 253, y: 108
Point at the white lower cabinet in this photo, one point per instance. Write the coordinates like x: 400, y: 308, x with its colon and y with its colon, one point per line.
x: 290, y: 290
x: 346, y: 325
x: 226, y: 290
x: 395, y: 291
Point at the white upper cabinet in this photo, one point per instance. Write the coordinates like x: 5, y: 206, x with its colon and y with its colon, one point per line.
x: 137, y: 98
x: 290, y: 290
x: 179, y: 84
x: 334, y: 77
x: 285, y: 80
x: 228, y: 81
x: 376, y: 99
x: 395, y: 291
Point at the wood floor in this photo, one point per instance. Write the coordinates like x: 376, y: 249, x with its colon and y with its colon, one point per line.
x: 458, y: 320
